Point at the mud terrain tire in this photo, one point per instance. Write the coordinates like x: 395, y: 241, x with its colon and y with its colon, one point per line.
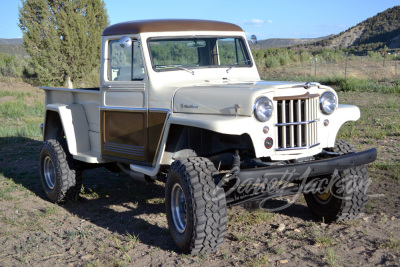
x: 338, y: 204
x: 60, y: 175
x: 195, y: 206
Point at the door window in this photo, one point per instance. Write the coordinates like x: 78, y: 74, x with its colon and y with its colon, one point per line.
x: 126, y: 64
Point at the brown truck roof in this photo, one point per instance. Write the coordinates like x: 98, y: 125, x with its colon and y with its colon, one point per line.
x: 169, y: 25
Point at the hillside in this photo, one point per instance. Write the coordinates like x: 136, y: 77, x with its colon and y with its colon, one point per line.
x: 13, y: 41
x: 374, y: 33
x: 13, y: 49
x: 12, y: 46
x: 285, y: 42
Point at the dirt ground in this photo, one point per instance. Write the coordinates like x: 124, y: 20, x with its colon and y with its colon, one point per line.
x: 120, y: 222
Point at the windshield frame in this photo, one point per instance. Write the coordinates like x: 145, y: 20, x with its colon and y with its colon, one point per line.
x: 245, y: 46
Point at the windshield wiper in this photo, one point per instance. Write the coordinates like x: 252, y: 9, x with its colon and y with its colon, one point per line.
x: 178, y: 67
x: 235, y: 64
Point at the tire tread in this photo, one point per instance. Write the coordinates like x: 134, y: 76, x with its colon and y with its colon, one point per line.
x: 68, y: 170
x: 352, y: 203
x: 209, y: 204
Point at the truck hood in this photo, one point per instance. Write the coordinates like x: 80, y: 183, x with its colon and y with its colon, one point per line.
x: 228, y: 98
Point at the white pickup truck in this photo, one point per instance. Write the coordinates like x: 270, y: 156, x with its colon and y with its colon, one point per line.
x: 181, y: 101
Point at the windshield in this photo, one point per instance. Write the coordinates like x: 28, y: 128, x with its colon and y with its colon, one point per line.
x: 172, y: 53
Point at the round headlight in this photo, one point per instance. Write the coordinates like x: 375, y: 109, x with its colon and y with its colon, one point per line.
x: 328, y: 103
x: 263, y: 109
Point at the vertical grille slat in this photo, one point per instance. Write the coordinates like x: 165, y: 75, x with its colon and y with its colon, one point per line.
x: 297, y: 123
x: 306, y: 111
x: 299, y: 141
x: 283, y: 121
x: 311, y: 112
x: 312, y: 124
x: 291, y: 120
x: 315, y: 117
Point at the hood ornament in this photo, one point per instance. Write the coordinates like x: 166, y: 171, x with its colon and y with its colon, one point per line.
x: 308, y: 85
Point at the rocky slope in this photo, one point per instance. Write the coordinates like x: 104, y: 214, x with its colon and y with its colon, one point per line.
x: 374, y: 33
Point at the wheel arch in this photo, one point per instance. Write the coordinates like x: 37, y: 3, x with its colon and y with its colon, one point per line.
x: 53, y: 128
x: 223, y: 127
x: 188, y: 141
x: 176, y: 143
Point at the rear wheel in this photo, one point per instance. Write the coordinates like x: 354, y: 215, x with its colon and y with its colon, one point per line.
x: 347, y: 196
x: 60, y: 175
x: 196, y: 207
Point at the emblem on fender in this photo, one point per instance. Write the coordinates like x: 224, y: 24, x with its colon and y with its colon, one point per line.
x: 188, y: 106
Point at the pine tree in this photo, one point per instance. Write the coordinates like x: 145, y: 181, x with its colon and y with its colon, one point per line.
x: 63, y: 37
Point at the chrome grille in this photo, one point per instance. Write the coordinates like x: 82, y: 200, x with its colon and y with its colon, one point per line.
x: 297, y: 123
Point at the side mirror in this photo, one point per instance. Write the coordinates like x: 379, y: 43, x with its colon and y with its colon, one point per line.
x: 125, y: 42
x: 253, y: 39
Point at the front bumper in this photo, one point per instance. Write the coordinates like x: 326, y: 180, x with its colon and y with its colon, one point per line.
x: 310, y: 169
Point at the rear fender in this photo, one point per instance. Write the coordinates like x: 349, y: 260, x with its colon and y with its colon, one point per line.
x: 69, y: 121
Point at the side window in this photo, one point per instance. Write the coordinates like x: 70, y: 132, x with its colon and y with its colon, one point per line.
x: 126, y: 64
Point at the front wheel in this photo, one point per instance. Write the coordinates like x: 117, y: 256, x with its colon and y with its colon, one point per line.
x: 61, y: 177
x: 196, y: 206
x: 347, y: 195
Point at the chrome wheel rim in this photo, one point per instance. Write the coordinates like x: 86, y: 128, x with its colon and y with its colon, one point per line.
x: 178, y: 208
x: 49, y: 172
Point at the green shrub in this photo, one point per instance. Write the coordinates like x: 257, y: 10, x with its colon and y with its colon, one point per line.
x: 271, y: 62
x: 330, y: 56
x: 16, y: 66
x: 375, y: 56
x: 304, y: 56
x: 284, y: 59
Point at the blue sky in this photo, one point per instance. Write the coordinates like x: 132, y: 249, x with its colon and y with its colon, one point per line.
x: 264, y: 18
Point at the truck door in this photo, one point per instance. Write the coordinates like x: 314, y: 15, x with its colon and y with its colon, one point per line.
x: 124, y: 112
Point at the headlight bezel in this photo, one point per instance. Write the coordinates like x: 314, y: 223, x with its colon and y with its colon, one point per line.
x: 325, y: 108
x: 258, y: 114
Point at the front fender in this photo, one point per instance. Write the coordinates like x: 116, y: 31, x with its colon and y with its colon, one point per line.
x: 343, y: 114
x: 222, y: 124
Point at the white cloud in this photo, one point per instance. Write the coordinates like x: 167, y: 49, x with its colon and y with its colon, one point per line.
x: 254, y: 22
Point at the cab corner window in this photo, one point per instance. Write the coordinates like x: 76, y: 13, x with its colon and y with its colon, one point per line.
x: 126, y: 64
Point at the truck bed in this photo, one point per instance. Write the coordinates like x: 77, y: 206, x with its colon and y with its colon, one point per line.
x: 84, y: 103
